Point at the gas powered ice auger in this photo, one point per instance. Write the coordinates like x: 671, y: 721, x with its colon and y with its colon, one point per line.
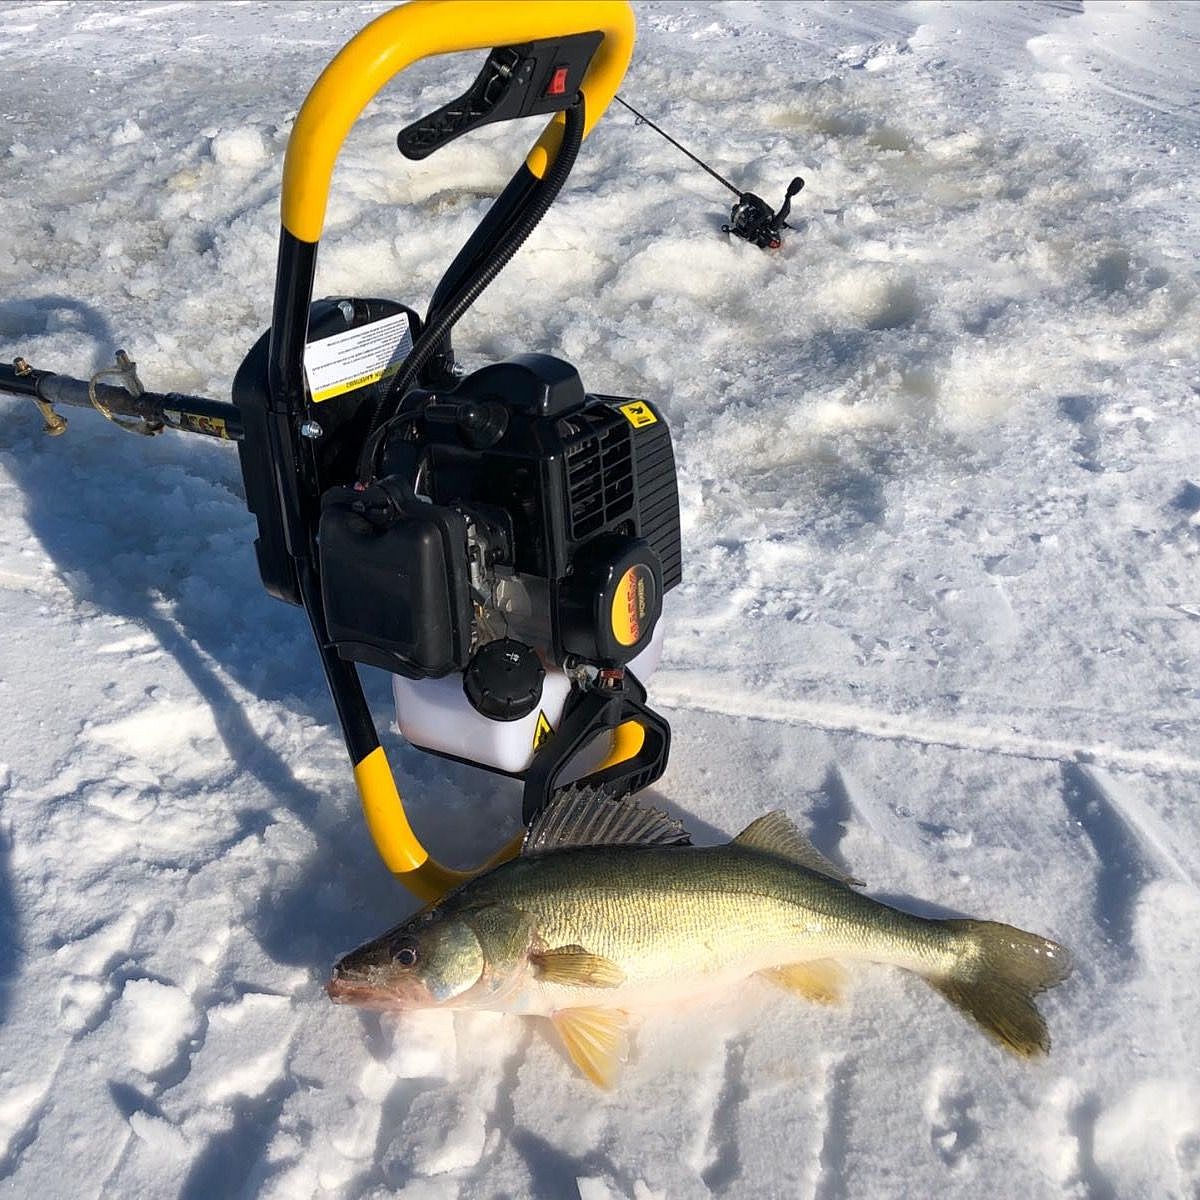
x: 500, y: 541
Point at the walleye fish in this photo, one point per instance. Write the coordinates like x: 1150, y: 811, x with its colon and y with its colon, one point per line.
x: 609, y: 910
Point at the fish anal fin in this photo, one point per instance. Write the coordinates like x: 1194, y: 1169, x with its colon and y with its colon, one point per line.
x: 573, y: 966
x: 820, y: 980
x: 597, y: 1039
x: 777, y: 834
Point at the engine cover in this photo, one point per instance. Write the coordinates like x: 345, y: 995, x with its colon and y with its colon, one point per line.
x: 560, y: 508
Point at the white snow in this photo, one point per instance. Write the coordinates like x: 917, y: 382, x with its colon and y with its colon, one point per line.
x: 941, y: 485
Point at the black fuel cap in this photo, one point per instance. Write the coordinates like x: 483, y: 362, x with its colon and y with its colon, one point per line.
x: 503, y: 680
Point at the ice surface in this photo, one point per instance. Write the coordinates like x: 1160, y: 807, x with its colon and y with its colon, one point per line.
x: 938, y: 462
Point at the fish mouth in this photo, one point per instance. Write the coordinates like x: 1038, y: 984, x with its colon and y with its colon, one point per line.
x: 363, y: 995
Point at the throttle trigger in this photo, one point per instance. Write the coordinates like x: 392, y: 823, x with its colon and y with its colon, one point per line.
x: 516, y: 81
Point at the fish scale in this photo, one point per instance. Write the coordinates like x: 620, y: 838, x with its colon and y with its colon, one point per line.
x: 707, y: 910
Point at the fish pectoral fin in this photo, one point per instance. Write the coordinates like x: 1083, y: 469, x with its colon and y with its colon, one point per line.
x: 820, y: 980
x: 573, y: 966
x: 597, y: 1039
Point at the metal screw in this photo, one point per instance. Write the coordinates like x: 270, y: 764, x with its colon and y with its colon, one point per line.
x: 347, y: 310
x: 55, y: 425
x: 310, y: 429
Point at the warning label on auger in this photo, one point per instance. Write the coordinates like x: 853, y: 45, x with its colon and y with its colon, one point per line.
x: 542, y: 732
x: 639, y: 414
x: 350, y: 360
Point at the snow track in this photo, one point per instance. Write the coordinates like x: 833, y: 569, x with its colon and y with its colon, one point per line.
x: 700, y: 695
x: 942, y: 517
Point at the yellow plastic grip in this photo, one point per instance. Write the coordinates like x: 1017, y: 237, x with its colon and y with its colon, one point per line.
x: 628, y: 739
x: 398, y: 846
x: 418, y: 30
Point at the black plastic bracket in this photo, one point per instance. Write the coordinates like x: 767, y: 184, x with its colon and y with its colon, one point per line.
x: 597, y: 710
x: 516, y: 81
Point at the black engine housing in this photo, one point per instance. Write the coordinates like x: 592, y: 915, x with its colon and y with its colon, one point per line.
x: 515, y: 482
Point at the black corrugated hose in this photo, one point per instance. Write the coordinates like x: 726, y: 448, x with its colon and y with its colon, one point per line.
x: 431, y: 336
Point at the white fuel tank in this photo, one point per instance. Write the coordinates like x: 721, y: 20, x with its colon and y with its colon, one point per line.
x: 435, y: 714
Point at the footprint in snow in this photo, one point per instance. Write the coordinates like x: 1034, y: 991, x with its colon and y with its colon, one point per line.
x: 952, y: 1129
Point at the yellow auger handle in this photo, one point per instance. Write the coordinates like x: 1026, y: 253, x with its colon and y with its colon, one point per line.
x: 398, y: 846
x: 401, y: 850
x: 419, y: 30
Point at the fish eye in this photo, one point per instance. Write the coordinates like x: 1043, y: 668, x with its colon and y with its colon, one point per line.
x: 405, y: 953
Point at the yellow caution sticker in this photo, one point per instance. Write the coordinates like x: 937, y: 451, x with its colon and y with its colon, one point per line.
x: 350, y: 385
x: 542, y: 731
x: 638, y: 414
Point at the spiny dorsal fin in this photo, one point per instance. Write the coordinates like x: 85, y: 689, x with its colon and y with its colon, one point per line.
x: 597, y: 1039
x: 776, y: 834
x: 573, y: 966
x: 588, y: 817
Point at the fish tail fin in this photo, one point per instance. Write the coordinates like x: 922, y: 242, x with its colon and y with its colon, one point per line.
x: 999, y: 971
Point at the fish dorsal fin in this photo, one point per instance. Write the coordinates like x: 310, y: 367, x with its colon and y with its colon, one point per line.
x: 776, y: 834
x: 586, y: 816
x: 597, y: 1039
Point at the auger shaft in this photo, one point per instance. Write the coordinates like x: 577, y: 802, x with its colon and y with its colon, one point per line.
x: 155, y: 410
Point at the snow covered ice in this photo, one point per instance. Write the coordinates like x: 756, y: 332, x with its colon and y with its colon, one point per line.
x: 941, y: 487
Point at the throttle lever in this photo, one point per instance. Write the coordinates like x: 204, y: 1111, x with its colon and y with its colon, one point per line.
x: 526, y: 80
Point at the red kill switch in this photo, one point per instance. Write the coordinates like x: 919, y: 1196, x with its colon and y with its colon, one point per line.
x: 558, y: 82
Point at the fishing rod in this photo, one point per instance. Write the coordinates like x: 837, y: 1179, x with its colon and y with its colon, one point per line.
x: 751, y: 217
